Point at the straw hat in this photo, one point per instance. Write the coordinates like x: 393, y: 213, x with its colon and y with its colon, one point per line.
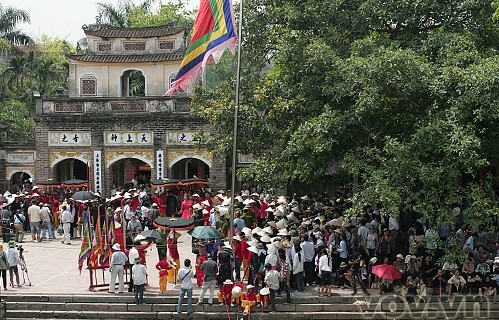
x: 283, y: 232
x: 268, y: 230
x: 256, y: 230
x: 252, y: 243
x: 253, y: 249
x: 281, y: 224
x: 272, y: 223
x: 247, y: 231
x: 265, y: 239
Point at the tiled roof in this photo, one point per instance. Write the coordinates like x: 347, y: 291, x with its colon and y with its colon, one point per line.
x: 105, y: 31
x: 122, y: 58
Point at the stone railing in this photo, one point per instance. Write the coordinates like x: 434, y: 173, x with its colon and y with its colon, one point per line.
x: 135, y: 105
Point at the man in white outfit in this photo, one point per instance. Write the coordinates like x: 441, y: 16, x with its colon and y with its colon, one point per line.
x: 116, y: 266
x: 66, y: 219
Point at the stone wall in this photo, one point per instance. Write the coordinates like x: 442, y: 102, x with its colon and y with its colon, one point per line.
x: 159, y: 123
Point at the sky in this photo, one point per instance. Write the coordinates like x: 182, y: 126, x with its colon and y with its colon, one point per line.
x: 62, y: 18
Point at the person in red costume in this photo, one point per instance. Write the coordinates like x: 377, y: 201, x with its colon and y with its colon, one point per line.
x: 186, y: 207
x: 249, y: 300
x: 172, y: 245
x: 225, y: 294
x: 163, y: 266
x: 199, y: 261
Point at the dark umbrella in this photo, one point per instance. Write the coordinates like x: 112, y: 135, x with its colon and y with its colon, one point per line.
x: 172, y: 223
x: 83, y: 196
x: 151, y: 234
x: 205, y: 232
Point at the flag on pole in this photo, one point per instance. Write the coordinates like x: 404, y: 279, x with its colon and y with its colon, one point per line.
x: 105, y: 243
x: 214, y: 30
x: 96, y: 243
x: 86, y: 241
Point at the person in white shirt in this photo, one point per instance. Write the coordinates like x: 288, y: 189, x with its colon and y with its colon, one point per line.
x: 116, y: 267
x: 139, y: 275
x: 456, y: 283
x: 185, y: 276
x: 272, y: 282
x: 66, y: 220
x: 325, y: 268
x: 308, y: 256
x: 298, y: 270
x: 35, y: 219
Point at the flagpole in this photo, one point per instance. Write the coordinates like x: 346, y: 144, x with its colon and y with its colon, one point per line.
x: 236, y: 112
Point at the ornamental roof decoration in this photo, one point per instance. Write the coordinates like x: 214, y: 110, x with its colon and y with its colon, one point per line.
x: 107, y: 31
x: 119, y: 58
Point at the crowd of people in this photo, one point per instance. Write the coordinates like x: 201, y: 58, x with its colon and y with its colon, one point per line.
x: 279, y: 244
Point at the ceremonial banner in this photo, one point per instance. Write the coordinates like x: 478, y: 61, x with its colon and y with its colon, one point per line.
x: 213, y: 32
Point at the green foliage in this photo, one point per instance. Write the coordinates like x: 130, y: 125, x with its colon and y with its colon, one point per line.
x: 128, y: 14
x: 403, y: 95
x: 15, y: 115
x: 10, y: 17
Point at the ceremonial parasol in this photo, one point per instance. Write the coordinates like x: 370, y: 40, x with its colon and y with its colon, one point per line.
x: 151, y: 234
x: 83, y: 196
x: 172, y: 223
x: 205, y: 232
x: 386, y: 271
x: 74, y: 183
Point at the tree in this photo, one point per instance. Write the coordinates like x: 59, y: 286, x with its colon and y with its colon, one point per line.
x: 128, y: 14
x: 9, y: 19
x: 402, y: 95
x: 15, y: 115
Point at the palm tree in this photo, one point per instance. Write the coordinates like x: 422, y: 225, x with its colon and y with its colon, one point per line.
x: 118, y: 16
x: 9, y: 19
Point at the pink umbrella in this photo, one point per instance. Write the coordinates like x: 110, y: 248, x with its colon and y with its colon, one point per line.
x: 386, y: 271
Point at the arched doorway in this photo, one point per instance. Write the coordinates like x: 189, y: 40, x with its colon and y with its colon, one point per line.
x: 133, y: 83
x: 69, y: 169
x: 126, y: 170
x: 18, y: 179
x: 190, y: 167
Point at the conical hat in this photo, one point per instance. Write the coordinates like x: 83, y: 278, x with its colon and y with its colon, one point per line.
x: 247, y: 231
x: 253, y: 249
x: 256, y: 230
x: 268, y: 230
x: 272, y: 224
x: 265, y: 239
x: 291, y: 217
x: 252, y: 243
x: 283, y: 232
x: 296, y: 209
x: 281, y: 224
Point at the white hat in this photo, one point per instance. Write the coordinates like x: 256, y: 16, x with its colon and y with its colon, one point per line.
x: 272, y: 223
x: 281, y: 200
x: 247, y: 231
x: 127, y: 195
x: 269, y: 209
x: 118, y: 209
x: 97, y: 194
x: 252, y: 243
x: 195, y: 195
x: 248, y: 202
x: 262, y: 233
x: 296, y: 209
x: 281, y: 224
x: 240, y: 199
x: 250, y: 286
x: 256, y: 230
x: 253, y: 249
x: 228, y: 281
x: 237, y: 238
x: 291, y: 217
x: 139, y: 237
x: 265, y: 291
x: 254, y: 194
x: 116, y: 247
x: 35, y: 187
x: 268, y: 230
x: 265, y: 239
x: 283, y: 232
x: 496, y: 260
x: 373, y: 260
x: 206, y: 203
x: 226, y: 202
x: 399, y: 256
x: 305, y: 198
x: 35, y: 195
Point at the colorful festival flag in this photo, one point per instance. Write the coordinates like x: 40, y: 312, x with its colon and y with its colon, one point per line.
x: 106, y: 242
x: 96, y: 243
x: 86, y: 241
x: 214, y: 30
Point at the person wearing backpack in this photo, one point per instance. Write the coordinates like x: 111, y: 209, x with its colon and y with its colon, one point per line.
x: 284, y: 275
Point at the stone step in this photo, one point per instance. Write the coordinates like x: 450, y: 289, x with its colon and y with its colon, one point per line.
x: 31, y: 314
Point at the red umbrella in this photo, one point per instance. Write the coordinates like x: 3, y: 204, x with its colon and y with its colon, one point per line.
x: 386, y: 271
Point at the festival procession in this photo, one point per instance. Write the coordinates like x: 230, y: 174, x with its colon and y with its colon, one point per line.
x: 273, y: 248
